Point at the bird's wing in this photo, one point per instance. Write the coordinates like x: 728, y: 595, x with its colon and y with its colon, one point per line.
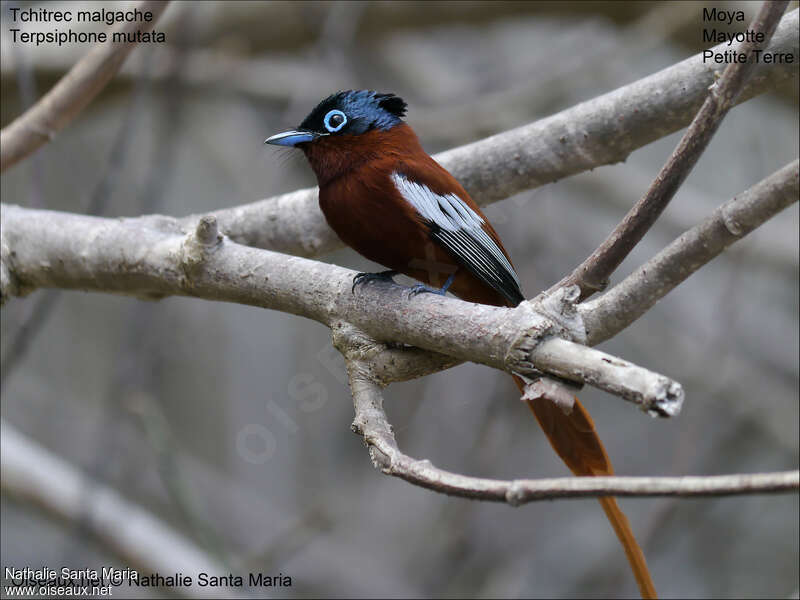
x: 463, y: 232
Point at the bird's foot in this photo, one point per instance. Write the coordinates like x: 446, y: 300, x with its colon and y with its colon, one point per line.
x: 421, y: 288
x: 363, y: 278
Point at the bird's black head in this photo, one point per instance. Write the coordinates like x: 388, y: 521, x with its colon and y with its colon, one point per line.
x: 345, y: 113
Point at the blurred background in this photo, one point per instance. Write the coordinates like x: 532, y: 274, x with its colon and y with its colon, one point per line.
x: 231, y: 424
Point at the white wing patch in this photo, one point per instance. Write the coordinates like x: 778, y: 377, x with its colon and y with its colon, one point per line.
x: 459, y: 228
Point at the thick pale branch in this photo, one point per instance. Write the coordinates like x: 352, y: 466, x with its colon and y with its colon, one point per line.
x: 34, y: 474
x: 593, y: 273
x: 71, y: 94
x: 612, y: 312
x: 152, y: 257
x: 370, y: 422
x: 601, y: 131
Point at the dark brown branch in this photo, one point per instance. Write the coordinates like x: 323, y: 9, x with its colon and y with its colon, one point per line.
x: 592, y: 275
x: 612, y: 312
x: 71, y: 94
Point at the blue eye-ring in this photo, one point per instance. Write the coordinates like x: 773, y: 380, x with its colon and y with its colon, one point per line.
x: 334, y: 120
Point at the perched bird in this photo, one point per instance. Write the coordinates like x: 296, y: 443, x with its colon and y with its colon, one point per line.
x: 386, y: 198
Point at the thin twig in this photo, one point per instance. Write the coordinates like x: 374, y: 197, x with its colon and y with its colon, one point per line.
x: 612, y: 312
x: 27, y: 332
x: 370, y: 422
x: 71, y: 94
x: 592, y: 275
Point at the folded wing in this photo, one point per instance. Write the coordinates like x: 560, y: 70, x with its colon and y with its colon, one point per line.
x: 458, y: 228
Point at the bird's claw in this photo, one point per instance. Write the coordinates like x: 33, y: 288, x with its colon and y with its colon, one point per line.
x: 362, y: 278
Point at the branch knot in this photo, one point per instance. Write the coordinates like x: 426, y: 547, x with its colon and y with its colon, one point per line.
x: 204, y: 239
x: 553, y: 314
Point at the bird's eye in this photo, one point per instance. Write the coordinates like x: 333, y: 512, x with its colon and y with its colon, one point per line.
x: 335, y: 120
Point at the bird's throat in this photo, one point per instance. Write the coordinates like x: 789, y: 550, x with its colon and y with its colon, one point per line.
x: 334, y: 156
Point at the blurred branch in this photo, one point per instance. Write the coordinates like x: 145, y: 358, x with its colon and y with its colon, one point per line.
x: 274, y: 78
x: 609, y: 314
x: 162, y: 441
x: 100, y: 197
x: 28, y: 94
x: 601, y: 131
x: 27, y: 331
x: 580, y: 55
x: 71, y: 94
x: 592, y: 275
x: 34, y: 474
x: 151, y: 257
x: 371, y: 423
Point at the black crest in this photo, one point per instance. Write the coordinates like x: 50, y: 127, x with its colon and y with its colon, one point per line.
x: 393, y: 104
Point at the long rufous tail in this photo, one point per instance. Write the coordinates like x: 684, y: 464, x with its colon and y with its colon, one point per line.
x: 575, y: 440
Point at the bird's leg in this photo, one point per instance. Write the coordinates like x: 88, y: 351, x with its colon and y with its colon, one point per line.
x: 362, y: 278
x: 421, y: 288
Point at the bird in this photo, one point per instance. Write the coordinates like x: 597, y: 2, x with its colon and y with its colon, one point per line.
x: 390, y: 201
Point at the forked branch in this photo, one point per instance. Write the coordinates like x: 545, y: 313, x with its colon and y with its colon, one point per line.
x: 612, y: 312
x: 592, y: 275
